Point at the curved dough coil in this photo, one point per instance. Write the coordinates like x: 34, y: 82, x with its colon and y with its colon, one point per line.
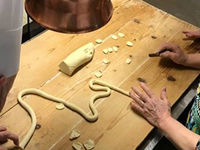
x: 103, y: 86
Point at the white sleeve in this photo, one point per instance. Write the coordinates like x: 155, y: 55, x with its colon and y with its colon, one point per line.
x: 11, y: 15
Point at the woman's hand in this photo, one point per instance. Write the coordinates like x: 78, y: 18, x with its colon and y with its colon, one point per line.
x: 155, y: 110
x: 174, y: 52
x: 192, y: 35
x: 5, y: 86
x: 6, y: 135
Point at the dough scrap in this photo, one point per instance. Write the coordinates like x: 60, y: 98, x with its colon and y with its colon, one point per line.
x: 98, y: 74
x: 102, y: 86
x: 60, y: 106
x: 129, y: 43
x: 99, y: 41
x: 74, y: 135
x: 106, y: 61
x: 121, y: 34
x: 115, y: 48
x: 114, y: 37
x: 89, y: 144
x: 77, y: 146
x: 79, y: 57
x: 110, y: 50
x: 128, y: 60
x: 105, y: 51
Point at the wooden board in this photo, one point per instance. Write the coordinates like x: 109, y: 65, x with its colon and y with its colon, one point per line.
x: 117, y: 127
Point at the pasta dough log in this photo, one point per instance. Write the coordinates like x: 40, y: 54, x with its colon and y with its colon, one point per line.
x: 95, y: 85
x: 79, y: 57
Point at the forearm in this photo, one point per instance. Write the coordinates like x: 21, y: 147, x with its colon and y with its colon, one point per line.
x: 4, y: 90
x: 179, y: 134
x: 193, y: 60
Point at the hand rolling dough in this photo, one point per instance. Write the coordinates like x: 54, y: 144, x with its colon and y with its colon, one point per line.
x: 79, y: 57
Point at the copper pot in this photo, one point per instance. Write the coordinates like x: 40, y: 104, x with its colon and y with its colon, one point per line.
x: 70, y: 16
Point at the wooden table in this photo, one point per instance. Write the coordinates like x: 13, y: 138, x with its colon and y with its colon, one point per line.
x: 118, y: 128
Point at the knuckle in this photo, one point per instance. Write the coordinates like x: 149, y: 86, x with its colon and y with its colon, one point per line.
x: 145, y: 110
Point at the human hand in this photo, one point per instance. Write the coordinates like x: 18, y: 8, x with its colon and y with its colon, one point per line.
x: 5, y: 86
x: 174, y: 52
x: 3, y: 148
x: 6, y: 135
x: 192, y: 35
x: 148, y: 105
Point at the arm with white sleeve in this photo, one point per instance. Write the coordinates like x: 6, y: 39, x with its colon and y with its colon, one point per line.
x: 11, y: 15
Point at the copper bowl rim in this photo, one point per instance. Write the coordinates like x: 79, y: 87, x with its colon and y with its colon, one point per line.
x: 46, y: 26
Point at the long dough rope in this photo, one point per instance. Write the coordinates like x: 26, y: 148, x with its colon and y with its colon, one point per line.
x: 91, y: 118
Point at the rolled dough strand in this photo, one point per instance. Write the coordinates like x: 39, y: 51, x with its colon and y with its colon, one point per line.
x: 33, y: 119
x: 91, y: 118
x: 103, y: 87
x: 99, y: 82
x: 75, y: 108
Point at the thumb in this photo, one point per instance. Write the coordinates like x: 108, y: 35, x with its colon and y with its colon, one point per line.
x: 163, y: 94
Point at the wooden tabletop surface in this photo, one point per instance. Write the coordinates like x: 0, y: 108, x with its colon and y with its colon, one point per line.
x: 118, y: 127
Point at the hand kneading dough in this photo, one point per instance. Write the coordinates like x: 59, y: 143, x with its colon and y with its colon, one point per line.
x: 81, y: 56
